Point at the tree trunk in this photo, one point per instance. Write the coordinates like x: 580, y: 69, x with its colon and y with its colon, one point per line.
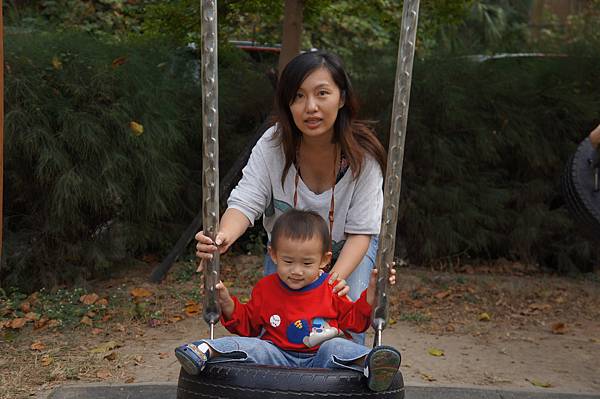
x: 292, y: 31
x: 1, y: 128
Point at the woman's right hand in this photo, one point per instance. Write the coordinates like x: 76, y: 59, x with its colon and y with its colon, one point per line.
x: 205, y: 247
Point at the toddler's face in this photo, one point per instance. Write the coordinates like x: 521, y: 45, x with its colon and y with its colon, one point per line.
x: 299, y: 262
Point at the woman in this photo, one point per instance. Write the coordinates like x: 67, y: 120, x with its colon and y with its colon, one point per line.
x: 317, y: 156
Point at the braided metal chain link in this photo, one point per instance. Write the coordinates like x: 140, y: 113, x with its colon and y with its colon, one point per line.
x: 391, y: 200
x: 210, y: 153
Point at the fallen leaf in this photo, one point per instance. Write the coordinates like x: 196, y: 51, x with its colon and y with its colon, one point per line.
x: 105, y: 347
x: 111, y: 356
x: 539, y: 383
x: 37, y: 346
x: 102, y: 302
x: 192, y: 308
x: 96, y: 331
x: 87, y: 321
x: 442, y: 294
x: 175, y: 319
x: 163, y: 355
x: 140, y: 293
x: 559, y: 328
x: 427, y: 377
x: 118, y: 61
x: 89, y: 299
x: 138, y: 359
x: 56, y: 63
x: 435, y: 352
x: 91, y: 314
x: 46, y: 360
x: 54, y: 323
x: 17, y: 323
x: 103, y: 374
x: 119, y: 327
x: 484, y: 317
x: 129, y: 380
x: 136, y: 128
x: 42, y: 322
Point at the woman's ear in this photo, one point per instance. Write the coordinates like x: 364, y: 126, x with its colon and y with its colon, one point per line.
x: 342, y: 99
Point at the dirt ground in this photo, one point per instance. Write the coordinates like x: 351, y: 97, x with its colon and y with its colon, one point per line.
x: 514, y: 328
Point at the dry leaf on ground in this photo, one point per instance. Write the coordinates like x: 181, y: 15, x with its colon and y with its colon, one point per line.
x: 37, y: 346
x: 435, y: 352
x: 559, y: 328
x: 105, y: 347
x: 539, y: 383
x: 89, y: 299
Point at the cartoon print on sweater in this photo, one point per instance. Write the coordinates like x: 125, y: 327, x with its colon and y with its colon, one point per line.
x: 311, y: 334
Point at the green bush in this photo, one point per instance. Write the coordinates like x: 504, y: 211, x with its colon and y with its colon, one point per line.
x: 84, y: 189
x: 485, y: 149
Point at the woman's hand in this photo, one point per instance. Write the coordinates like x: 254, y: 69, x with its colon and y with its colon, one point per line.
x: 205, y: 247
x: 341, y: 287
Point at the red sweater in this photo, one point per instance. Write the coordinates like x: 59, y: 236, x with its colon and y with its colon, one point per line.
x: 297, y: 320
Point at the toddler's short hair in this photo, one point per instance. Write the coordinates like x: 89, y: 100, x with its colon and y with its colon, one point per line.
x: 300, y: 225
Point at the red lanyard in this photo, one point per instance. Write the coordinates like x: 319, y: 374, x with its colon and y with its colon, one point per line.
x: 332, y: 203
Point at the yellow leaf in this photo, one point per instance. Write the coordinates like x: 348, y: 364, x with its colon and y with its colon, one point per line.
x: 105, y: 347
x: 435, y: 352
x: 136, y: 128
x: 46, y: 360
x: 485, y: 317
x: 539, y: 383
x: 140, y: 293
x: 427, y: 377
x: 37, y: 346
x: 192, y: 308
x: 56, y: 63
x: 89, y: 299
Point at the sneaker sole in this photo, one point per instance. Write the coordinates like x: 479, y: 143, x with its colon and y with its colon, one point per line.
x: 383, y: 367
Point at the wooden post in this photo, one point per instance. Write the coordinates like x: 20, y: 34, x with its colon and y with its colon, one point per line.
x: 292, y: 32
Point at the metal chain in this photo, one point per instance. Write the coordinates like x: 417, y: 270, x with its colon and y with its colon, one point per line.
x: 210, y: 155
x: 389, y: 218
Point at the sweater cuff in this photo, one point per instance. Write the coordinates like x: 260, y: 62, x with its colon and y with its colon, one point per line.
x: 363, y: 306
x: 234, y: 320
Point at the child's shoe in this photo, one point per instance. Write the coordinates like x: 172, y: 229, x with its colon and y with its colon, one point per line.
x: 192, y: 358
x: 381, y: 366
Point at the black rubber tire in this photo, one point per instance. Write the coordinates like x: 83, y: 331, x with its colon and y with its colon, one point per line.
x: 242, y: 381
x: 578, y: 186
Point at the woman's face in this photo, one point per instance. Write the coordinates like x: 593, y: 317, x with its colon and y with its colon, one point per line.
x: 316, y: 104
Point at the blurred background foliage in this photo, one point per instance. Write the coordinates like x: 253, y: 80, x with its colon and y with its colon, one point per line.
x: 102, y: 157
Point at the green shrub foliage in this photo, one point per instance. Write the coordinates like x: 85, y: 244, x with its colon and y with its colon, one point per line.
x: 84, y: 187
x: 485, y: 149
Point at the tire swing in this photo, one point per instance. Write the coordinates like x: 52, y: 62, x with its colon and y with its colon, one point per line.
x: 581, y: 188
x: 240, y: 380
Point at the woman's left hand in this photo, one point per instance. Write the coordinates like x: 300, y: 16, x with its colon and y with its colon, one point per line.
x: 341, y: 287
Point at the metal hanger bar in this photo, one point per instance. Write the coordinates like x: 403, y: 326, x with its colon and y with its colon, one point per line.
x: 391, y: 199
x: 210, y: 154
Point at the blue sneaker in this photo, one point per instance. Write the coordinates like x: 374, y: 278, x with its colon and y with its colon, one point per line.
x: 192, y: 358
x: 381, y: 366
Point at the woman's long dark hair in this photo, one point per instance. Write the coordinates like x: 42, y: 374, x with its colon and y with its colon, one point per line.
x: 355, y: 137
